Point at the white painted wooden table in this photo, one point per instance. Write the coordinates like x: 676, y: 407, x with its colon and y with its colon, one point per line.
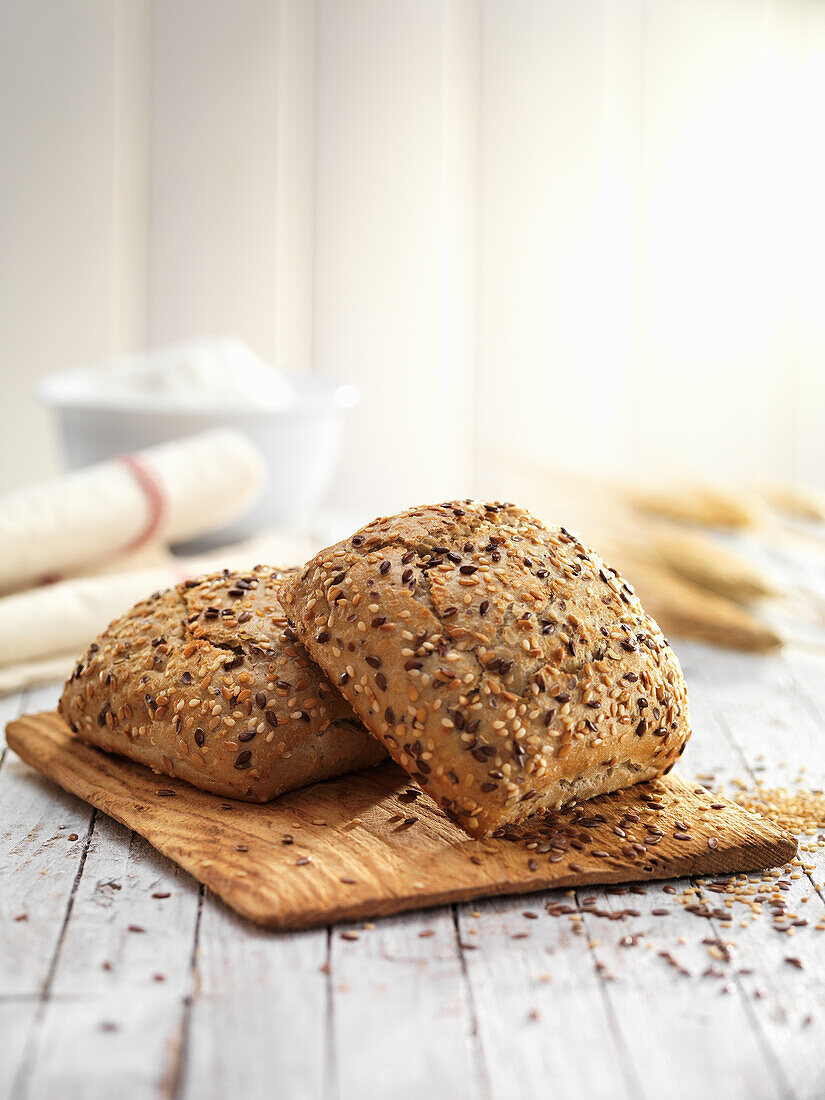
x: 120, y: 977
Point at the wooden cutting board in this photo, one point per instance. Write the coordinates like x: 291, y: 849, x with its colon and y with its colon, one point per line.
x: 367, y: 844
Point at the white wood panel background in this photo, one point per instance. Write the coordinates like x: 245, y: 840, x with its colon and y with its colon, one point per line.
x: 588, y: 233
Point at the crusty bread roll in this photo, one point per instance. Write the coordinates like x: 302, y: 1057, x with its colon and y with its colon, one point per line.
x: 207, y: 682
x: 503, y: 665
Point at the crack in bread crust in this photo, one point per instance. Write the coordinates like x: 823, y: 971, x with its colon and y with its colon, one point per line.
x: 498, y: 660
x: 208, y: 682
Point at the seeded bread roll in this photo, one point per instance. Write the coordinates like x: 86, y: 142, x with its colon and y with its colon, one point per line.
x: 207, y: 682
x: 503, y: 665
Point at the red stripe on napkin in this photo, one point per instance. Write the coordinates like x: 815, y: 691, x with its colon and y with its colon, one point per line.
x: 154, y: 495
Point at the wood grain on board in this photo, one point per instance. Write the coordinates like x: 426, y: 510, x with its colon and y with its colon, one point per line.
x: 363, y: 845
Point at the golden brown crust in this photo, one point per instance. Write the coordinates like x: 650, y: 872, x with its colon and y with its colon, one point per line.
x: 208, y: 682
x: 503, y: 665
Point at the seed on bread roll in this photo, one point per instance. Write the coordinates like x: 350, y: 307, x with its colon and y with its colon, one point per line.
x: 207, y: 682
x: 503, y: 664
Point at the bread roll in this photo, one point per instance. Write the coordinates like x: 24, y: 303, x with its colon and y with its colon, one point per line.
x: 504, y: 665
x: 206, y: 681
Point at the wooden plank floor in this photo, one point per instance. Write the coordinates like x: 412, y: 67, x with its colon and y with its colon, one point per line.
x: 120, y: 976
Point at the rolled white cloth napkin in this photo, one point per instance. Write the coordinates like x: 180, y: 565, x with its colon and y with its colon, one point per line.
x: 170, y: 493
x: 44, y: 630
x: 63, y: 618
x: 32, y: 674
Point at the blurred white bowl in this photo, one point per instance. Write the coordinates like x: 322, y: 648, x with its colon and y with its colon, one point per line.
x: 300, y: 440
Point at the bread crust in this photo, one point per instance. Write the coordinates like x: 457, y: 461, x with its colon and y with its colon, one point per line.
x: 207, y: 682
x: 504, y: 665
